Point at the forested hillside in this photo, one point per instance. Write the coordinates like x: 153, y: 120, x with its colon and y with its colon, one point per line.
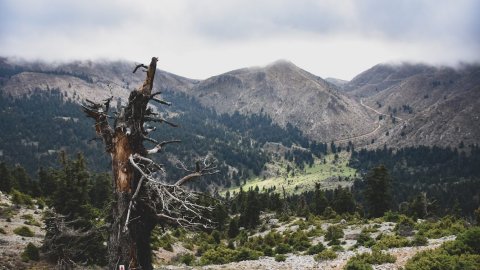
x: 36, y: 128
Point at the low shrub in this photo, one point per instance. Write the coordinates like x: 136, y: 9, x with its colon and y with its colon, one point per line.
x: 337, y: 248
x: 385, y: 241
x: 463, y: 253
x: 220, y: 255
x: 223, y: 255
x: 405, y: 226
x: 316, y: 249
x: 2, y: 231
x: 280, y: 258
x: 440, y: 260
x: 21, y: 198
x: 315, y: 232
x: 471, y: 238
x: 31, y: 252
x: 185, y: 258
x: 244, y: 254
x: 29, y: 220
x: 446, y: 226
x: 391, y: 216
x: 357, y: 265
x: 283, y: 249
x: 24, y: 231
x: 334, y: 233
x: 419, y: 240
x: 364, y: 239
x: 267, y: 251
x: 327, y: 254
x: 376, y: 257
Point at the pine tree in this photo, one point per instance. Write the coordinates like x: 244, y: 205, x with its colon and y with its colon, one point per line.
x: 5, y: 178
x: 48, y: 185
x: 378, y: 191
x: 233, y: 228
x: 72, y: 232
x: 250, y: 216
x: 319, y: 201
x: 343, y: 201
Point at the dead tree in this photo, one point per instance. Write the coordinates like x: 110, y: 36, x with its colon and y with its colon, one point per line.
x: 142, y: 197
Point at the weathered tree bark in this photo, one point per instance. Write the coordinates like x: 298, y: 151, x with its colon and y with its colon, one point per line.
x: 141, y: 200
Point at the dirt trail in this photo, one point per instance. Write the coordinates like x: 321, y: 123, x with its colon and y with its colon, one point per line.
x: 368, y: 133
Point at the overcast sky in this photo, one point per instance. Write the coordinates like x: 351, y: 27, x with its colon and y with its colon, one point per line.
x: 202, y: 38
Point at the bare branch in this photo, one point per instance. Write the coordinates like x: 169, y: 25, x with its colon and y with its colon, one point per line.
x: 159, y: 146
x: 150, y: 140
x: 139, y: 66
x: 160, y: 120
x: 170, y: 203
x: 127, y: 220
x: 102, y: 127
x: 161, y: 101
x: 209, y: 168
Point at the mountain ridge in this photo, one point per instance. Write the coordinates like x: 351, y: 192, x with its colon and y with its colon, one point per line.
x: 290, y: 95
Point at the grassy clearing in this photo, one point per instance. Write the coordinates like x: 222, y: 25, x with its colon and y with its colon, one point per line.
x: 324, y: 171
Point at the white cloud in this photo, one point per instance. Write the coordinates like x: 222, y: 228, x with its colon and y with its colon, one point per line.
x: 203, y: 38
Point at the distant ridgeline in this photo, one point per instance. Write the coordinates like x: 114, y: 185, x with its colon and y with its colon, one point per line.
x: 35, y: 128
x: 450, y: 177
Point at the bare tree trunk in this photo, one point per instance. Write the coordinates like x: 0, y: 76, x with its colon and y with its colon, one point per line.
x: 134, y: 216
x: 130, y: 247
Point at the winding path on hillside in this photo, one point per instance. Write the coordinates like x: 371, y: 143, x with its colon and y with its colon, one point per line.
x: 377, y: 112
x: 371, y: 132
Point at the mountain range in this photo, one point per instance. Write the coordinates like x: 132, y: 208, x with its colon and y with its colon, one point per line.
x: 397, y: 105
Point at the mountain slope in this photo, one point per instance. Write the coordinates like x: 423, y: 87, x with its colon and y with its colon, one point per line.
x: 287, y: 94
x: 437, y: 105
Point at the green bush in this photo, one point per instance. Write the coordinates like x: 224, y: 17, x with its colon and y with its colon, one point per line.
x: 223, y: 255
x: 220, y: 255
x: 244, y: 254
x: 364, y: 239
x: 315, y: 232
x: 444, y: 227
x: 471, y: 238
x: 327, y: 254
x: 31, y: 252
x: 165, y: 241
x: 391, y: 241
x: 280, y: 258
x: 299, y: 241
x: 316, y: 249
x: 376, y: 257
x: 440, y: 260
x: 29, y: 220
x: 2, y: 231
x: 463, y: 253
x: 337, y: 248
x: 283, y: 248
x: 405, y: 226
x: 185, y: 258
x: 334, y: 233
x: 217, y: 237
x: 419, y: 240
x: 272, y: 239
x: 391, y: 216
x: 21, y: 198
x: 357, y: 265
x: 267, y: 251
x: 24, y: 231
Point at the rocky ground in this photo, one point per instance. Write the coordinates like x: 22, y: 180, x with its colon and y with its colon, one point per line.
x: 298, y: 261
x: 11, y: 244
